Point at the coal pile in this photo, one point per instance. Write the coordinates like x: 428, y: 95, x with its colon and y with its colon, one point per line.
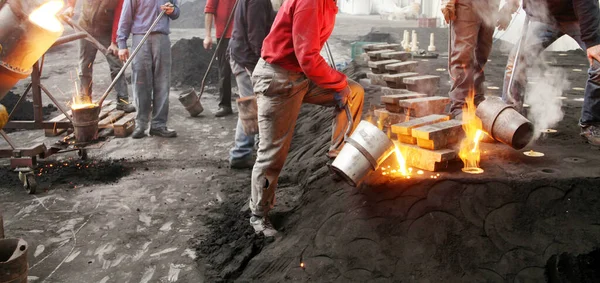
x: 70, y: 174
x: 192, y: 15
x: 190, y: 61
x: 25, y: 110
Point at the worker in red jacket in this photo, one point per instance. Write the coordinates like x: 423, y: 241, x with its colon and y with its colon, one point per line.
x: 100, y: 18
x: 218, y: 11
x: 290, y: 72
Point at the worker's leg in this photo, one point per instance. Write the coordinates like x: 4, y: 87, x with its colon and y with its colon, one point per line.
x: 279, y: 97
x: 465, y: 32
x: 244, y: 145
x: 539, y: 36
x: 320, y: 96
x: 87, y: 55
x: 115, y: 66
x: 142, y: 81
x: 482, y: 53
x: 224, y: 74
x: 161, y: 58
x: 590, y: 114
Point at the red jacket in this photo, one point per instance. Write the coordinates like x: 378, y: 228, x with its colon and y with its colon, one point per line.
x: 221, y: 9
x: 299, y: 32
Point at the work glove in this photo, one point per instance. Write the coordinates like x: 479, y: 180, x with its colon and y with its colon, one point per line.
x: 3, y: 116
x: 341, y: 97
x: 449, y: 11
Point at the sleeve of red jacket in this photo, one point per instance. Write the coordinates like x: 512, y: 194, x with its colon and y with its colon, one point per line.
x: 116, y: 19
x: 307, y: 46
x: 211, y: 7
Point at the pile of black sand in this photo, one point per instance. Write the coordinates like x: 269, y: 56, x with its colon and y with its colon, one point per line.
x: 192, y: 15
x: 70, y: 173
x: 25, y: 110
x: 190, y: 61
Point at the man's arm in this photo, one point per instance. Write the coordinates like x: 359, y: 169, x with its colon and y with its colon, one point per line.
x: 125, y: 24
x: 176, y: 11
x: 260, y: 13
x: 209, y: 10
x: 307, y: 47
x: 69, y: 10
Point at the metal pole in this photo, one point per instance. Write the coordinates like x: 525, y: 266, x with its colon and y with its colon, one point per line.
x: 330, y: 55
x: 517, y: 55
x: 137, y: 49
x: 212, y: 60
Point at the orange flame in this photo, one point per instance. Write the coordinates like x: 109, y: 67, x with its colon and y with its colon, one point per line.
x: 45, y: 16
x: 469, y: 152
x: 402, y: 170
x: 81, y: 101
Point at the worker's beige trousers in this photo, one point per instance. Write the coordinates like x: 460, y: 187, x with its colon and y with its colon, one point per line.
x: 280, y: 94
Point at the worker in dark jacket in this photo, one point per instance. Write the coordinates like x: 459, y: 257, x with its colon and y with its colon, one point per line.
x: 252, y: 22
x: 471, y: 44
x: 291, y: 72
x: 550, y: 20
x: 100, y: 18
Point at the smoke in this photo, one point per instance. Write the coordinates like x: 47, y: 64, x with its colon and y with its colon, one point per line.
x: 544, y: 97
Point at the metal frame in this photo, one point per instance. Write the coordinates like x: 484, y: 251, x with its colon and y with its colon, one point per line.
x: 24, y: 160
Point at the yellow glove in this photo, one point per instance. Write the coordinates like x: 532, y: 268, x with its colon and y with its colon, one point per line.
x: 3, y: 116
x: 449, y: 11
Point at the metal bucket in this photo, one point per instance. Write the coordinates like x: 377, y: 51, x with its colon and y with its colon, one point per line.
x: 191, y: 102
x: 504, y: 123
x: 85, y: 123
x: 13, y: 261
x: 364, y: 151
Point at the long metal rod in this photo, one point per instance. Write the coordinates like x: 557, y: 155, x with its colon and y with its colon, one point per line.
x: 212, y: 60
x: 135, y: 51
x: 89, y: 37
x: 7, y: 139
x: 517, y: 55
x: 14, y: 110
x: 330, y: 55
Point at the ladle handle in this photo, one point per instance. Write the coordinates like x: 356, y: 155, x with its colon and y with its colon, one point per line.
x: 350, y: 122
x: 130, y: 59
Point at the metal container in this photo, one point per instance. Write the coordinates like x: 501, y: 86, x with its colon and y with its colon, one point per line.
x: 13, y: 261
x: 85, y: 123
x: 191, y: 102
x: 22, y: 42
x: 504, y: 123
x: 364, y: 151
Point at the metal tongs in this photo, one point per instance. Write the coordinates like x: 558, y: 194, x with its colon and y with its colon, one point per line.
x: 346, y: 107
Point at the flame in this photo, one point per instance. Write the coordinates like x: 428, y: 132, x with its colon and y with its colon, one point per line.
x: 81, y: 101
x: 402, y: 169
x: 469, y: 152
x: 45, y: 16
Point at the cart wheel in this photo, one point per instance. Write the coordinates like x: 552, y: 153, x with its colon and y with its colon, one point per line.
x: 83, y: 154
x: 29, y: 183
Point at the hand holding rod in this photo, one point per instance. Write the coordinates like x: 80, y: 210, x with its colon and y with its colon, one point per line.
x: 346, y: 107
x: 128, y: 62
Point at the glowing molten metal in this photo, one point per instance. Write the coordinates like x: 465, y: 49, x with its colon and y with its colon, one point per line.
x: 45, y: 16
x: 469, y: 147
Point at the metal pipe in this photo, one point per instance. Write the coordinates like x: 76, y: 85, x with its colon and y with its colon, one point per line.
x: 135, y: 51
x: 88, y: 36
x: 517, y: 55
x: 69, y: 38
x: 55, y: 102
x: 330, y: 55
x: 7, y: 139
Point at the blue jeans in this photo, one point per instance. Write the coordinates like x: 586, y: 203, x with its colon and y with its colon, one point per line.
x: 244, y: 145
x: 539, y: 37
x: 151, y: 79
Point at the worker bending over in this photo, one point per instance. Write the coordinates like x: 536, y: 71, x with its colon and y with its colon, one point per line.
x: 550, y: 20
x: 291, y: 72
x: 471, y: 34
